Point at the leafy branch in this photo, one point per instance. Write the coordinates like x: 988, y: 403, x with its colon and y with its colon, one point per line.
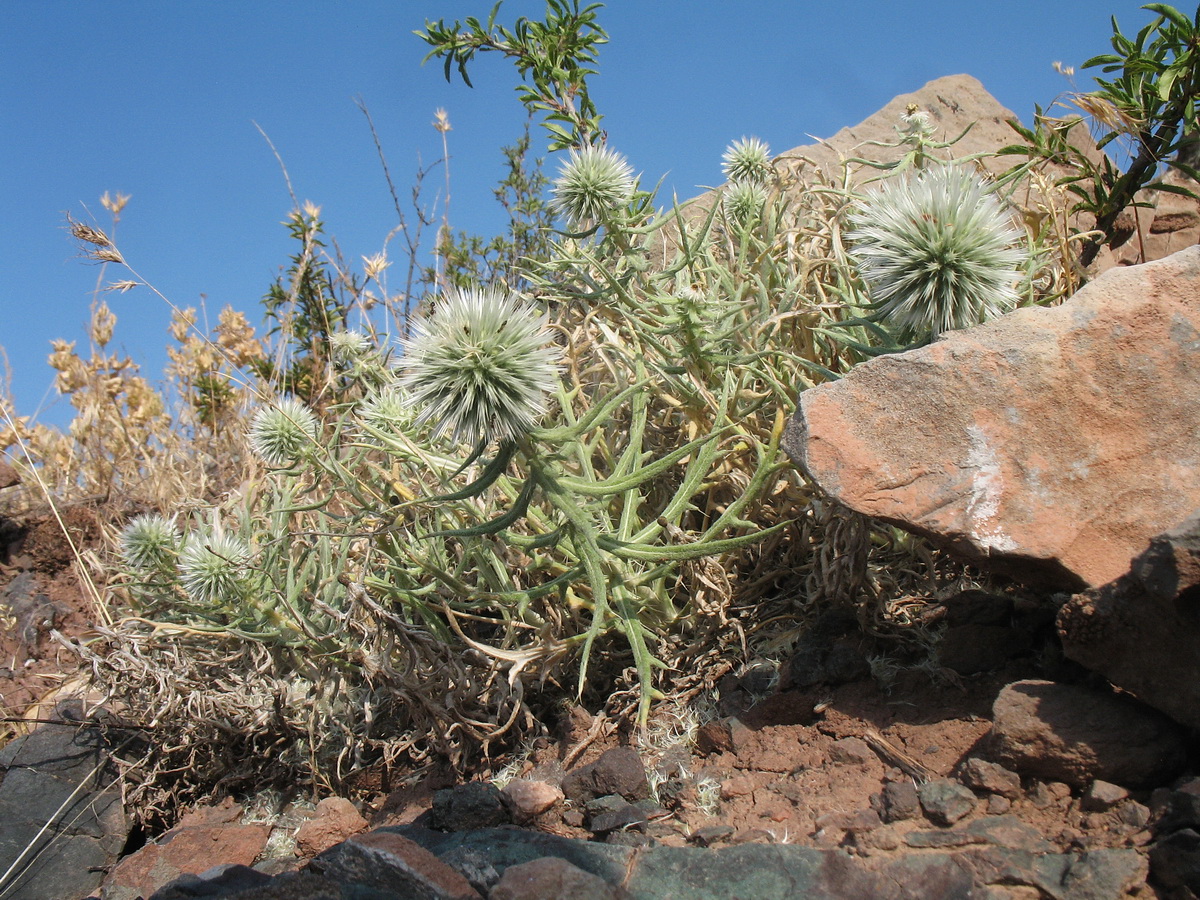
x: 554, y: 59
x: 1152, y: 100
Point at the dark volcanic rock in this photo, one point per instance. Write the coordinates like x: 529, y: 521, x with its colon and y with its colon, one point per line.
x: 617, y: 771
x: 63, y: 825
x: 476, y: 804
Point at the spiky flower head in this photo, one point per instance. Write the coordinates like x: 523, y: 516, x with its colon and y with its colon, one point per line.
x: 150, y: 543
x: 283, y: 432
x: 592, y: 184
x: 389, y: 410
x: 747, y: 160
x: 213, y: 567
x: 937, y: 252
x: 744, y: 201
x: 348, y: 347
x: 480, y: 366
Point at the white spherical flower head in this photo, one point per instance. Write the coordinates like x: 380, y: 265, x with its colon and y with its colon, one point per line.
x: 212, y: 568
x: 348, y: 347
x: 283, y: 432
x: 747, y: 160
x: 150, y: 543
x: 480, y: 366
x: 744, y: 201
x: 937, y: 252
x: 389, y: 409
x: 592, y: 184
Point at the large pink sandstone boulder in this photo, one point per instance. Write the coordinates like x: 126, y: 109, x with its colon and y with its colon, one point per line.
x: 1052, y: 444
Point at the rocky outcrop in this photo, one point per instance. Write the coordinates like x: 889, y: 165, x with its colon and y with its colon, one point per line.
x: 1050, y: 443
x: 1142, y: 631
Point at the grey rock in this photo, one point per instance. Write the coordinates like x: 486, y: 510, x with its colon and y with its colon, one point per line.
x: 1073, y: 734
x: 626, y: 817
x: 473, y: 866
x: 900, y: 801
x: 216, y: 883
x: 392, y: 865
x: 775, y: 872
x: 982, y: 775
x: 59, y: 776
x: 945, y: 801
x: 552, y: 877
x: 1175, y: 864
x: 1001, y: 831
x: 1102, y: 796
x: 476, y: 804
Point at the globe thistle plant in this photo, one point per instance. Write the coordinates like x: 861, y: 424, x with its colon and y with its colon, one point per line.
x: 348, y: 347
x: 150, y: 544
x: 283, y: 432
x: 212, y: 568
x: 592, y: 185
x: 479, y: 366
x: 937, y: 252
x: 388, y: 410
x: 747, y: 160
x: 744, y: 201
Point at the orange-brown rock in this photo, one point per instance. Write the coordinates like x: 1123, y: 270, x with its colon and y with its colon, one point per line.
x: 1052, y: 444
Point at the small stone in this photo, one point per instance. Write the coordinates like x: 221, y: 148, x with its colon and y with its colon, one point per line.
x: 617, y: 771
x: 858, y: 821
x: 988, y: 776
x: 1133, y: 815
x: 851, y: 751
x: 625, y: 818
x: 711, y: 834
x: 714, y: 737
x: 1102, y: 796
x: 335, y: 819
x: 900, y: 801
x: 884, y: 838
x: 738, y: 786
x: 945, y: 801
x: 529, y: 799
x: 998, y: 805
x: 476, y: 804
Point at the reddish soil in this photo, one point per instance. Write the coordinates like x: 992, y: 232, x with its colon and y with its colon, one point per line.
x: 40, y: 593
x: 782, y: 772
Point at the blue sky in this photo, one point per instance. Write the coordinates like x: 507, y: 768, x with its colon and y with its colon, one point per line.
x: 158, y: 99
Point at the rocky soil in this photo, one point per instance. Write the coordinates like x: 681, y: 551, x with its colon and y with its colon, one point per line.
x: 974, y: 774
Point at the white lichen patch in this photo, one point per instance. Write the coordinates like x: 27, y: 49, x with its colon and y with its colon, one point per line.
x: 987, y: 489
